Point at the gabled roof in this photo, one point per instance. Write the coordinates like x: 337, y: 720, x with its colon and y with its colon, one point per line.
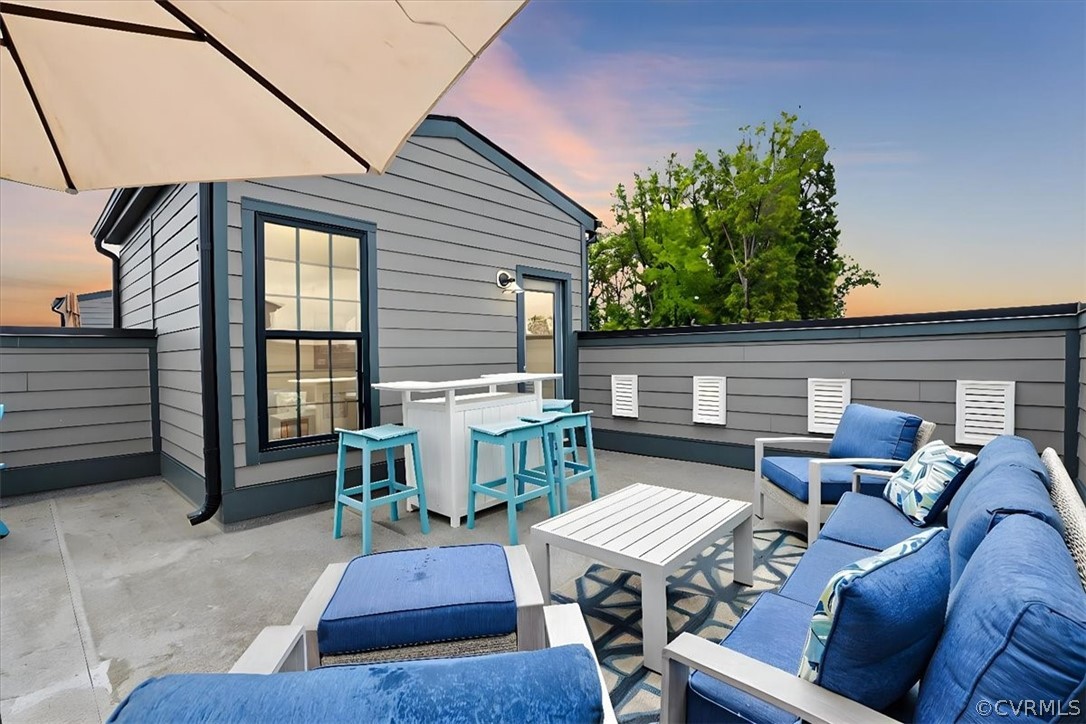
x: 127, y: 206
x: 436, y: 126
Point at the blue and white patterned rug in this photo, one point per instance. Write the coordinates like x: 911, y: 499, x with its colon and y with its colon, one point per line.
x: 701, y: 599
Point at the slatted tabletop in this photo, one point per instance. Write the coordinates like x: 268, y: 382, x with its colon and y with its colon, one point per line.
x: 646, y: 523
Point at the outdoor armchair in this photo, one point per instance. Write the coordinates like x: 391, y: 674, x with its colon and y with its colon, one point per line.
x: 866, y: 437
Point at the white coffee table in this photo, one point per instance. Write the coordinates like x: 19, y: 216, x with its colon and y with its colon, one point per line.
x: 652, y: 531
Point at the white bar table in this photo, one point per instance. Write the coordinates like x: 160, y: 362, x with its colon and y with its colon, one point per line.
x: 442, y: 412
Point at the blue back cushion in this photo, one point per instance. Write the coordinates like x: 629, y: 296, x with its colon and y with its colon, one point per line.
x: 871, y: 432
x: 879, y: 620
x: 400, y: 598
x: 1015, y: 628
x: 1008, y: 491
x: 1005, y: 451
x: 550, y: 685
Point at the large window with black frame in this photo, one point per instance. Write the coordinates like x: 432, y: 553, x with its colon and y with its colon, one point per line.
x: 311, y: 332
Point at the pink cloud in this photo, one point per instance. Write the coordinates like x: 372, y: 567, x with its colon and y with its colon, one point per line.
x: 590, y: 120
x: 585, y: 130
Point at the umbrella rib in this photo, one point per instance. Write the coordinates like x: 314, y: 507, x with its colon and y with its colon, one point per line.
x: 9, y: 43
x: 436, y: 25
x: 260, y: 79
x: 93, y: 22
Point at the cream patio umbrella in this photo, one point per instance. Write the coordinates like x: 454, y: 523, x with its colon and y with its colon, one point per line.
x: 99, y: 94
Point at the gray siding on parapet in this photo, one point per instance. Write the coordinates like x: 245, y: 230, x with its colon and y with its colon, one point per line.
x: 73, y: 404
x: 171, y: 305
x: 767, y: 381
x: 447, y: 219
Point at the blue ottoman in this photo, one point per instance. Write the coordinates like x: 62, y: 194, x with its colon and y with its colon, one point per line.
x: 424, y: 603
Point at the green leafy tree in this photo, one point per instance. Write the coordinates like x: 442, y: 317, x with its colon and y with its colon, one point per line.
x: 850, y: 275
x: 817, y: 263
x: 749, y: 235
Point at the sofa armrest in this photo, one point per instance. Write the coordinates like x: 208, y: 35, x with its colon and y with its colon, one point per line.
x: 309, y: 613
x: 565, y: 625
x: 771, y: 441
x: 814, y: 475
x: 861, y: 473
x: 787, y: 691
x: 857, y: 461
x: 275, y: 649
x: 529, y: 599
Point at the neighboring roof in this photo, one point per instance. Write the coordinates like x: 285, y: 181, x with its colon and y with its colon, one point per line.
x: 84, y: 297
x: 126, y: 206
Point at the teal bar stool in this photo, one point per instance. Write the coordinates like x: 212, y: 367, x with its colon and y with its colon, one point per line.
x: 569, y: 443
x: 369, y: 441
x: 557, y: 426
x: 515, y: 488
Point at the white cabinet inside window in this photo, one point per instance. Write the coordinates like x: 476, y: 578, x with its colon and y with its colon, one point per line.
x: 826, y: 402
x: 710, y: 400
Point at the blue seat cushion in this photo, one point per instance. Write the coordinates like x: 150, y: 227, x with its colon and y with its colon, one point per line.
x: 1015, y: 628
x: 791, y: 475
x: 549, y: 685
x: 772, y: 631
x: 402, y: 598
x: 878, y: 621
x: 1008, y: 491
x: 824, y: 558
x: 868, y: 522
x: 1005, y: 451
x: 871, y: 432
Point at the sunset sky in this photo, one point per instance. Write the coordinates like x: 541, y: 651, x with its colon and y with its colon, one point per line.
x: 957, y: 131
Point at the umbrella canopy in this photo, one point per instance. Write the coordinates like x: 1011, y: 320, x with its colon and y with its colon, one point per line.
x: 109, y: 93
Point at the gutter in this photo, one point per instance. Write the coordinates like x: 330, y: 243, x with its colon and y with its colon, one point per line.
x: 208, y: 363
x: 116, y: 279
x: 55, y: 308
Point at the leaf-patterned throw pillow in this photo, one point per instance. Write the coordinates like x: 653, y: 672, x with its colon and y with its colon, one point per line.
x: 826, y: 611
x: 918, y: 487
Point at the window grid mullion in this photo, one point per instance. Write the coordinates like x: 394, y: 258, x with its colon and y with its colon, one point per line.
x: 298, y: 388
x: 298, y: 277
x: 331, y: 291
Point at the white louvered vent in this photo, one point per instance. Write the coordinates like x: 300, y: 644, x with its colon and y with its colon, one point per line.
x: 985, y: 409
x: 826, y: 402
x: 623, y: 395
x: 710, y: 400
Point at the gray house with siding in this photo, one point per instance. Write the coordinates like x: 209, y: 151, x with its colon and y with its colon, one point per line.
x: 277, y: 303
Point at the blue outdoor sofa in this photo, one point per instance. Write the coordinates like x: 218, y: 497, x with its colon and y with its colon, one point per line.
x: 1013, y: 641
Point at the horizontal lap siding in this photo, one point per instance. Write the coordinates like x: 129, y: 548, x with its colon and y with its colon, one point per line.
x: 71, y: 404
x: 447, y: 219
x: 96, y: 312
x: 767, y: 382
x: 173, y: 308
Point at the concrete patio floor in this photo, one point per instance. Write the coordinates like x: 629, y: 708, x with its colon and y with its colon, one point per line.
x: 104, y: 586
